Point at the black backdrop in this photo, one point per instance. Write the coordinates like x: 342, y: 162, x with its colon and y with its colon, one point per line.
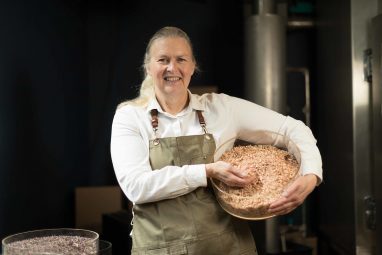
x: 64, y: 66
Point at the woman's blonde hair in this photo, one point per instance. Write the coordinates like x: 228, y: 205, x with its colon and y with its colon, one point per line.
x: 146, y: 92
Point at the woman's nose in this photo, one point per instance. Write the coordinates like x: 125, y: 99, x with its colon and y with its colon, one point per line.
x: 171, y: 66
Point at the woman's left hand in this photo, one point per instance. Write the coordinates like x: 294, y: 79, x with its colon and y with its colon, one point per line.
x: 294, y: 195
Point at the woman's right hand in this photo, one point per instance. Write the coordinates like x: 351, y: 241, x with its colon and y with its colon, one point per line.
x: 229, y: 174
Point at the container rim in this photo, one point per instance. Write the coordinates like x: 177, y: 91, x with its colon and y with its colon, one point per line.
x: 92, y: 235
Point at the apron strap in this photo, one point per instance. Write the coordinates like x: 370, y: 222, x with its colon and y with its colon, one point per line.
x: 154, y: 124
x: 154, y: 121
x: 201, y: 121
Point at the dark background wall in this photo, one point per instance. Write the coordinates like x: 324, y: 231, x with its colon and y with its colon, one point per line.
x: 44, y: 145
x: 64, y: 66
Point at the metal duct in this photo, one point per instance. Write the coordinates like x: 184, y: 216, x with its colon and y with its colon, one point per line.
x: 261, y: 7
x: 265, y: 75
x: 265, y: 46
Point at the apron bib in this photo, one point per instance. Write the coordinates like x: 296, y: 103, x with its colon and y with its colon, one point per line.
x: 193, y: 223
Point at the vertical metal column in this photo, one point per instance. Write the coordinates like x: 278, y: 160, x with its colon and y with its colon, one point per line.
x: 265, y: 75
x: 374, y: 211
x: 265, y: 64
x: 364, y: 196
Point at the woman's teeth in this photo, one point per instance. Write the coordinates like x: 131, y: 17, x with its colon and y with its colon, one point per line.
x: 172, y: 78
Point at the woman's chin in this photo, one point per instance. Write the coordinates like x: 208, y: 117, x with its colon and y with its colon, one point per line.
x: 175, y: 90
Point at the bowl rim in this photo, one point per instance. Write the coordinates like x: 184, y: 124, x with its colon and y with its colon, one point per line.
x: 243, y: 217
x: 68, y: 230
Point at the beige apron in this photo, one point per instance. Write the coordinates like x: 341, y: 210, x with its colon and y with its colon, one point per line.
x: 193, y: 223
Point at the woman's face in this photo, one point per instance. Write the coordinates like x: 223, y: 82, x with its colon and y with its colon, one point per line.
x: 171, y: 66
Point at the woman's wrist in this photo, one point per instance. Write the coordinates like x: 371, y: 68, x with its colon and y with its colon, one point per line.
x: 312, y: 179
x: 209, y: 170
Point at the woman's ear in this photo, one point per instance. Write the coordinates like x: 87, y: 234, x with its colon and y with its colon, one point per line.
x: 147, y: 69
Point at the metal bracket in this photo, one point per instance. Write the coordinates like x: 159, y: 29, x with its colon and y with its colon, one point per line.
x: 370, y: 212
x: 367, y: 70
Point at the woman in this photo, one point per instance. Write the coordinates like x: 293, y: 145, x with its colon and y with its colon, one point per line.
x: 163, y: 147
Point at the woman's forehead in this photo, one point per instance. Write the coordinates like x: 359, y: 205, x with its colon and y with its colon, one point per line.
x: 170, y: 45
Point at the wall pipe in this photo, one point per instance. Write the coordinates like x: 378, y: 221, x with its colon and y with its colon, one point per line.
x: 307, y: 111
x: 305, y: 72
x: 265, y: 76
x: 265, y: 57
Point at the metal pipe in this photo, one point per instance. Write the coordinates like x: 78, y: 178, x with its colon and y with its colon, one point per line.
x: 265, y: 76
x: 265, y: 61
x: 307, y: 111
x: 307, y: 108
x: 261, y: 7
x: 300, y: 23
x: 272, y: 236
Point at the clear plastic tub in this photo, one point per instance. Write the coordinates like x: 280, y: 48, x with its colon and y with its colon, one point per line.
x: 254, y: 205
x: 105, y: 248
x: 61, y: 241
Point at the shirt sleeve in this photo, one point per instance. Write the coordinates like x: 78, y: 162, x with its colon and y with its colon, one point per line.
x: 130, y: 157
x: 258, y: 124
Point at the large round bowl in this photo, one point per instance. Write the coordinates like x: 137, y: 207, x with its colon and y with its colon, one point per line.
x: 63, y: 241
x: 273, y: 169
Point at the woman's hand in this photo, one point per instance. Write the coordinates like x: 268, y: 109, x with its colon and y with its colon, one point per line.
x: 294, y: 195
x: 230, y: 175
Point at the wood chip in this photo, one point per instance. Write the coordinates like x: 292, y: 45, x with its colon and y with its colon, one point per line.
x: 274, y: 169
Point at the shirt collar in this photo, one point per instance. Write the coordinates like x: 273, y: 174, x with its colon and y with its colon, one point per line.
x: 194, y: 104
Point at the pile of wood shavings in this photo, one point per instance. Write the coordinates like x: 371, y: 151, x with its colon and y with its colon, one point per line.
x: 73, y: 245
x: 273, y: 169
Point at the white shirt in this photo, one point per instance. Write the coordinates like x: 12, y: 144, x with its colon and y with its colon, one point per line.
x: 227, y: 118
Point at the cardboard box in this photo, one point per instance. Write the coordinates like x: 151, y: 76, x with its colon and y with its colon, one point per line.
x: 92, y: 202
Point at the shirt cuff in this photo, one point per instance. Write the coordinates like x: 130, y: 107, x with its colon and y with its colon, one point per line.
x: 196, y: 176
x: 307, y: 168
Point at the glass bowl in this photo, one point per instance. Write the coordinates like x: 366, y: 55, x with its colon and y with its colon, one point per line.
x: 61, y: 241
x: 274, y: 167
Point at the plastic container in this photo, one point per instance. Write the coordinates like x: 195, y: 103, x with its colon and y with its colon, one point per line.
x: 61, y: 241
x: 105, y: 248
x: 250, y: 206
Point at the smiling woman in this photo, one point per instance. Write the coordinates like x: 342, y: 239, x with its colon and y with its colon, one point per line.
x: 163, y: 145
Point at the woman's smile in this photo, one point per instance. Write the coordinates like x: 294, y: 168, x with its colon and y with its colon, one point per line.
x: 172, y: 79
